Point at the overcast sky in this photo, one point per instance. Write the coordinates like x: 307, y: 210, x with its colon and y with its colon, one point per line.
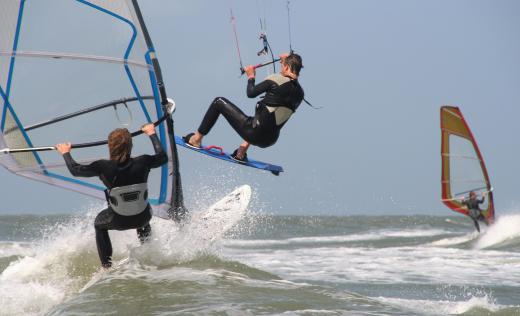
x: 381, y: 69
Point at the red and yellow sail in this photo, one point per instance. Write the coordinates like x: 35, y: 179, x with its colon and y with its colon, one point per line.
x: 463, y: 168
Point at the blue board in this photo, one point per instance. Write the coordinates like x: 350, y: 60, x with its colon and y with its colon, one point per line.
x: 216, y: 152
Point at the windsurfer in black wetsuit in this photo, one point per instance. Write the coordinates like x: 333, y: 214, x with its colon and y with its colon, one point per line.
x: 474, y: 211
x: 283, y: 95
x: 126, y: 182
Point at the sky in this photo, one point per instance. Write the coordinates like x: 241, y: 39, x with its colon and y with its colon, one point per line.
x: 380, y: 69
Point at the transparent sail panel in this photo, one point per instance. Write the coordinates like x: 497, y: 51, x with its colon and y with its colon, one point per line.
x: 60, y: 58
x: 465, y: 170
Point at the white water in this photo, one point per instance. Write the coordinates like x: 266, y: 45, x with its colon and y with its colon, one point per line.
x: 57, y: 267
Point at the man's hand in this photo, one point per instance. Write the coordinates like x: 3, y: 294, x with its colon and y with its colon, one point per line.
x: 148, y: 129
x: 63, y: 148
x: 250, y: 71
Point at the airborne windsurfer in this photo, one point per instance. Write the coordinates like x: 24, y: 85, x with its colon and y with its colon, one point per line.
x: 474, y: 211
x: 126, y: 181
x: 283, y: 95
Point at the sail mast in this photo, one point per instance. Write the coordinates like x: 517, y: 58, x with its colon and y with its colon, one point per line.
x: 177, y: 210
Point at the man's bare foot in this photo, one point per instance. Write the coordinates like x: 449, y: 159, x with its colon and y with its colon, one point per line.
x: 192, y: 140
x: 240, y: 154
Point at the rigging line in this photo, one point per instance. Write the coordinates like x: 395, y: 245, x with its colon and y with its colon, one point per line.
x: 233, y: 24
x: 289, y: 26
x: 272, y: 55
x: 266, y: 47
x: 312, y: 106
x: 261, y: 16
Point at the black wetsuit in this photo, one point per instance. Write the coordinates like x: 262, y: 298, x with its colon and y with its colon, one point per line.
x: 282, y: 97
x: 474, y: 211
x: 113, y: 174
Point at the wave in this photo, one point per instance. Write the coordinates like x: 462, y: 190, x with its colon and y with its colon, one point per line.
x: 317, y: 240
x: 51, y: 270
x: 457, y: 240
x: 504, y: 232
x: 481, y: 305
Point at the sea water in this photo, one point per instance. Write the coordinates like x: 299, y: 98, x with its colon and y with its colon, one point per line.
x: 267, y: 265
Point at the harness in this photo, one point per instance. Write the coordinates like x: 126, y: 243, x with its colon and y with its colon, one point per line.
x: 128, y: 200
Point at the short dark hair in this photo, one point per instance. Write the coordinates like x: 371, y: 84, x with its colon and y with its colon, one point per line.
x: 120, y: 144
x: 294, y: 61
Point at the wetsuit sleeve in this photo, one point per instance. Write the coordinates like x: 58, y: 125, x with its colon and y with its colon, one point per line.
x: 79, y: 170
x: 255, y: 90
x: 160, y: 157
x: 481, y: 200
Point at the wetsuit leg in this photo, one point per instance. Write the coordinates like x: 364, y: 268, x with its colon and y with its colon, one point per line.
x: 236, y: 118
x: 475, y: 215
x: 144, y: 232
x: 240, y: 122
x: 477, y: 226
x: 104, y: 246
x: 108, y: 219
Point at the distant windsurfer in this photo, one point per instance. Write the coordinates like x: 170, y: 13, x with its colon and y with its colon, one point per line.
x: 126, y: 181
x: 283, y: 95
x: 474, y: 211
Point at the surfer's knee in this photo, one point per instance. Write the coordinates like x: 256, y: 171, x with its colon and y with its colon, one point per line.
x: 220, y: 102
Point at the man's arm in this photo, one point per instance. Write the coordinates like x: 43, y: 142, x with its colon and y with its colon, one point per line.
x: 255, y: 90
x: 160, y: 157
x: 75, y: 168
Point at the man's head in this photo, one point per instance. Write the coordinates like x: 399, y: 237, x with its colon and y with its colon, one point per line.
x: 120, y: 144
x: 293, y: 62
x: 472, y: 194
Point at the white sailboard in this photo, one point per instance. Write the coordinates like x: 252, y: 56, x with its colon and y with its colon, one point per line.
x: 221, y: 216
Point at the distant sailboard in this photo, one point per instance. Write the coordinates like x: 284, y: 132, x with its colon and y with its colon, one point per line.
x: 218, y: 152
x: 463, y: 167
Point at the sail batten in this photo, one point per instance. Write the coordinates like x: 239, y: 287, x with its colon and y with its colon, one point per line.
x: 463, y: 168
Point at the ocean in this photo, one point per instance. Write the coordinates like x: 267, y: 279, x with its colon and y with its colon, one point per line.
x: 267, y: 265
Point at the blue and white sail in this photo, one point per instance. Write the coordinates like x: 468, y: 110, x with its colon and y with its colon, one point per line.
x: 73, y: 70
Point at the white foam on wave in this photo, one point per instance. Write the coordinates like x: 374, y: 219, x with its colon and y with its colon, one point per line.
x: 452, y: 241
x: 390, y: 265
x: 443, y: 307
x: 9, y: 249
x: 339, y: 239
x: 53, y: 268
x: 173, y: 244
x: 506, y: 228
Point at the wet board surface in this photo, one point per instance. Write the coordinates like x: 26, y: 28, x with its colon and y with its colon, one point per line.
x: 98, y: 275
x: 221, y: 216
x: 219, y: 153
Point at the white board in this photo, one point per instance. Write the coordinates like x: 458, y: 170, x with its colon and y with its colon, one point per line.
x: 98, y: 275
x: 221, y: 216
